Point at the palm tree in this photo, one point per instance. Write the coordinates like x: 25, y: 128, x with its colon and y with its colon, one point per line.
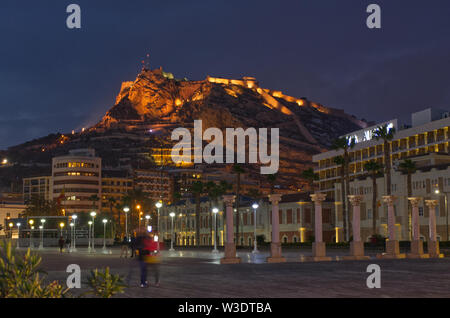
x: 272, y: 178
x: 197, y: 189
x: 310, y: 176
x: 374, y: 168
x: 345, y: 144
x: 409, y: 167
x: 238, y: 170
x: 111, y: 202
x: 94, y: 198
x: 387, y: 134
x: 339, y: 160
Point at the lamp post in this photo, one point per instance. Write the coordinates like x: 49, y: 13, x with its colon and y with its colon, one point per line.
x: 446, y: 211
x: 71, y: 236
x: 172, y: 214
x: 41, y: 244
x: 10, y: 228
x: 255, y: 249
x: 31, y: 222
x: 158, y: 206
x: 18, y: 235
x: 147, y: 219
x: 74, y: 218
x: 215, y: 211
x: 126, y: 210
x: 61, y: 225
x: 89, y: 236
x: 138, y: 207
x: 93, y: 214
x: 41, y: 227
x: 104, y: 234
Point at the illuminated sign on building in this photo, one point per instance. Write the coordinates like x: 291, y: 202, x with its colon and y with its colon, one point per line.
x: 366, y: 134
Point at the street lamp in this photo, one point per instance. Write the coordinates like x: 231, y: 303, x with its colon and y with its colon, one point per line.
x: 104, y: 234
x: 147, y: 219
x: 41, y: 244
x: 71, y: 236
x: 74, y: 218
x: 41, y: 227
x: 158, y: 206
x: 61, y: 225
x: 93, y: 214
x: 215, y: 211
x: 89, y: 236
x: 31, y: 222
x: 18, y: 235
x: 255, y: 249
x: 126, y: 210
x: 10, y: 228
x: 138, y: 207
x: 172, y: 214
x: 446, y: 210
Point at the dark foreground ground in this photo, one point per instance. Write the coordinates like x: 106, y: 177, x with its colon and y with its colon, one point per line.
x: 198, y: 274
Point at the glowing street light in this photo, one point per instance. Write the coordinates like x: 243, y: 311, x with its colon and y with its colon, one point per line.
x: 61, y: 225
x: 93, y: 214
x: 255, y: 249
x: 18, y: 235
x: 10, y: 228
x: 89, y: 236
x: 172, y: 215
x: 74, y: 235
x: 158, y: 206
x: 31, y: 222
x: 104, y: 233
x: 126, y: 210
x: 215, y: 211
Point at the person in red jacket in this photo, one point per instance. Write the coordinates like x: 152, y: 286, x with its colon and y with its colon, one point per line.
x: 148, y: 257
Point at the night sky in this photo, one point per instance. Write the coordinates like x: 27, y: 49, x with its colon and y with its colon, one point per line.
x: 53, y: 79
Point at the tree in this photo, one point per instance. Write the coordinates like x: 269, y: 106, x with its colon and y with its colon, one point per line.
x: 409, y: 167
x: 38, y: 206
x: 94, y: 198
x: 272, y: 178
x: 387, y: 134
x: 345, y: 144
x: 339, y: 160
x: 310, y: 176
x: 197, y: 188
x: 238, y: 170
x: 374, y: 169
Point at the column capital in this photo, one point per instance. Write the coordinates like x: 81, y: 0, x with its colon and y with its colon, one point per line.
x: 229, y: 199
x: 415, y: 201
x: 318, y: 197
x: 274, y: 198
x: 355, y: 200
x: 431, y: 203
x: 389, y: 199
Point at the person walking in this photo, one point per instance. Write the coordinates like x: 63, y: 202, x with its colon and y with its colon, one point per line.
x: 68, y: 245
x: 61, y: 244
x: 149, y: 258
x: 124, y: 247
x: 133, y: 245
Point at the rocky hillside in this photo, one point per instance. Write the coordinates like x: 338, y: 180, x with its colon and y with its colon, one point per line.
x: 148, y: 109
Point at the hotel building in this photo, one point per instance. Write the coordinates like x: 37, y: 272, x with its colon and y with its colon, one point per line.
x: 425, y: 141
x: 77, y: 177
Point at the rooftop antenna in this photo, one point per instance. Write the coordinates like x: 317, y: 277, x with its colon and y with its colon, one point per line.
x: 146, y: 62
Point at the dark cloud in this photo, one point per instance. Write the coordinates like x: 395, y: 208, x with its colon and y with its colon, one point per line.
x: 54, y: 79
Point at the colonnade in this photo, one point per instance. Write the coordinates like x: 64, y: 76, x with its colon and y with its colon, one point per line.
x: 356, y: 246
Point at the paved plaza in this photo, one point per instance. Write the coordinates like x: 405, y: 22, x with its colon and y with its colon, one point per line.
x: 190, y: 273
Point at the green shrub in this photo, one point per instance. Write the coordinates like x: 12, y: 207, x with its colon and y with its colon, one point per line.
x: 19, y: 276
x: 104, y: 284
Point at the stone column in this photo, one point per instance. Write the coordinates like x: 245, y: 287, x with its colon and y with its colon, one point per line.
x: 433, y: 244
x: 392, y: 246
x: 356, y: 246
x: 416, y: 243
x: 318, y: 247
x: 275, y: 246
x: 230, y: 246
